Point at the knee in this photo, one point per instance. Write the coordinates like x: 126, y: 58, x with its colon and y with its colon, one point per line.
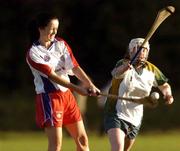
x: 82, y: 143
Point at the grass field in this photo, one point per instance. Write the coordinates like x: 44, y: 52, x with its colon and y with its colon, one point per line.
x: 36, y: 141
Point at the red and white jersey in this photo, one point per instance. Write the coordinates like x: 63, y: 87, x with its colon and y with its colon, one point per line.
x: 42, y: 61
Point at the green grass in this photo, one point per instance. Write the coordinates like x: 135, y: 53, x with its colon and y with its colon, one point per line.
x: 167, y: 141
x: 36, y: 141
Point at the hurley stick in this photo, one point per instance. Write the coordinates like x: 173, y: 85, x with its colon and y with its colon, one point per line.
x: 161, y: 16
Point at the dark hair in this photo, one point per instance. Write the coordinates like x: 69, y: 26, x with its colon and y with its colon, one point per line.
x: 41, y: 21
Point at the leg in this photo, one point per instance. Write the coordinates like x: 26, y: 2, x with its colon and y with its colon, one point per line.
x: 54, y: 135
x: 116, y: 138
x: 78, y: 132
x: 128, y: 144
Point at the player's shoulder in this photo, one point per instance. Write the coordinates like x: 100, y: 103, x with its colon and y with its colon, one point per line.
x: 32, y: 49
x: 150, y: 66
x: 62, y: 41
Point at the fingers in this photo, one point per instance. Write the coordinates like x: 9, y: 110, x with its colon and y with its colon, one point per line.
x: 169, y: 99
x: 154, y: 102
x: 93, y: 91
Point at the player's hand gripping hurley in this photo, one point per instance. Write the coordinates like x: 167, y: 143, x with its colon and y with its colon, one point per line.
x: 161, y: 16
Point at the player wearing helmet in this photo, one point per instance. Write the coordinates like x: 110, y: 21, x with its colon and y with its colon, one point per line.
x: 123, y: 119
x: 134, y: 45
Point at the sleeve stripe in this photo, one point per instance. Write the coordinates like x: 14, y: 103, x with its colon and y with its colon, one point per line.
x: 45, y: 69
x: 75, y: 63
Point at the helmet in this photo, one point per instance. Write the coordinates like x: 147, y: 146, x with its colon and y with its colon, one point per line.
x: 135, y: 44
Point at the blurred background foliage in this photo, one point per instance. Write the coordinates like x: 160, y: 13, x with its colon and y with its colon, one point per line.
x: 98, y: 31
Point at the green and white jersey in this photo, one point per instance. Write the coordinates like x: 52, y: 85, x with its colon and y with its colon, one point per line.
x: 133, y: 84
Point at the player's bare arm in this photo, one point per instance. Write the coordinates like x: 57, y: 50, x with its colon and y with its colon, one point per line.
x: 81, y: 75
x: 166, y: 91
x: 55, y: 78
x: 118, y: 72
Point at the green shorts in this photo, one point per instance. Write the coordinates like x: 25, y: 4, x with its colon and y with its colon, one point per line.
x: 114, y: 121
